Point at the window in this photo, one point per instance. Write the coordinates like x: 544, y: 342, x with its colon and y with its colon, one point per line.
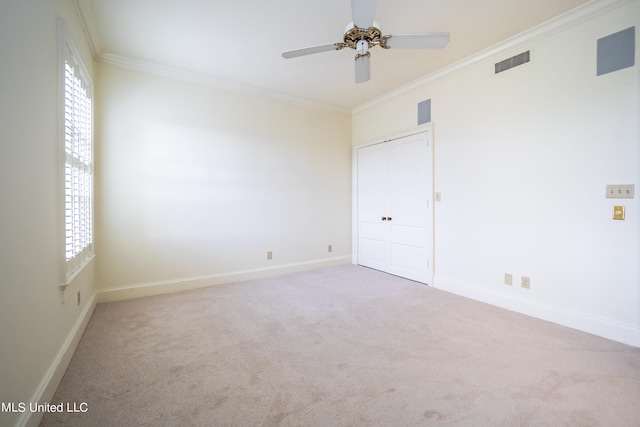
x: 78, y: 161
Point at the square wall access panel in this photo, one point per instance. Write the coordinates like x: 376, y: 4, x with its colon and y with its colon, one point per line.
x: 616, y: 51
x: 424, y: 112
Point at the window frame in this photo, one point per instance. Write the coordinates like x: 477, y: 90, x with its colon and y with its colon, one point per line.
x: 69, y: 53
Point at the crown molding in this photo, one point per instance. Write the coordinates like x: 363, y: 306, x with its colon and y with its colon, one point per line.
x: 562, y: 22
x: 90, y: 26
x: 553, y: 26
x: 212, y: 81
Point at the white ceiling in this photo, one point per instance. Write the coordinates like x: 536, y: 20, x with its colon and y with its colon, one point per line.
x: 241, y: 41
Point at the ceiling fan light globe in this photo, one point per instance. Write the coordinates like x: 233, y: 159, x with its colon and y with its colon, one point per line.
x: 362, y: 47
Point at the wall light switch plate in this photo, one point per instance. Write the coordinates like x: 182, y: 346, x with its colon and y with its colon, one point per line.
x: 618, y: 212
x: 624, y: 191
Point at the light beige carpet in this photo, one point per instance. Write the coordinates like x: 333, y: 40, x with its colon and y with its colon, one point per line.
x: 340, y: 346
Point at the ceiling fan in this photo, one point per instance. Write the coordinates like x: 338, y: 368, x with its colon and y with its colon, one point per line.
x: 364, y: 33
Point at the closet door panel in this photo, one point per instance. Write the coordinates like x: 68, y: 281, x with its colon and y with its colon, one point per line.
x: 373, y: 203
x: 409, y: 199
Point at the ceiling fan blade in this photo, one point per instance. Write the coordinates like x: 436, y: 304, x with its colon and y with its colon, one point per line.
x: 418, y: 41
x: 363, y: 12
x: 309, y: 50
x: 363, y: 68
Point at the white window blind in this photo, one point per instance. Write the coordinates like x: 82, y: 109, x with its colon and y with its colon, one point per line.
x: 78, y: 167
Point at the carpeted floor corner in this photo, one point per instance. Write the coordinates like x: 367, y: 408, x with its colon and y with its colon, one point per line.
x: 340, y: 346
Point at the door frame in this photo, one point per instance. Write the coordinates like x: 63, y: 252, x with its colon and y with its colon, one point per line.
x: 428, y: 129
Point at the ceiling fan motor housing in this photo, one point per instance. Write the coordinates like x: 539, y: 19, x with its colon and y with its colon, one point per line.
x: 353, y: 35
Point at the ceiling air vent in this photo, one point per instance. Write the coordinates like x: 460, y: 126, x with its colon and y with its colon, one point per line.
x: 514, y: 61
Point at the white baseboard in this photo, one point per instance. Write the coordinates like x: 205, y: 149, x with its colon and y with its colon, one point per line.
x: 51, y: 380
x: 169, y: 286
x: 606, y: 328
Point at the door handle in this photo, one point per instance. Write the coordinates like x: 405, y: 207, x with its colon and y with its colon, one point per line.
x: 388, y: 218
x: 384, y: 218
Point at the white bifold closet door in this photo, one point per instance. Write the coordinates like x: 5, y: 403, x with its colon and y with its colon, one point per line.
x: 394, y: 188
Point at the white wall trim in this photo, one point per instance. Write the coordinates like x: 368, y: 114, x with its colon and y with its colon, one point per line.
x: 212, y: 81
x: 559, y: 23
x: 89, y: 25
x: 580, y: 14
x: 53, y: 376
x: 617, y: 331
x: 169, y: 286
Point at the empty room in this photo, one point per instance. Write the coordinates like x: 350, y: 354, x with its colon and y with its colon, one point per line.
x: 305, y: 213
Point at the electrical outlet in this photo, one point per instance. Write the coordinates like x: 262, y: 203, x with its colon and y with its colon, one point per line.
x: 525, y: 282
x: 438, y: 196
x: 508, y: 279
x: 269, y: 255
x: 618, y: 212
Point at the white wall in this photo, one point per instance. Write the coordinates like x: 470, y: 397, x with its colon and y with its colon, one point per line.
x: 522, y: 160
x: 196, y: 184
x: 37, y: 331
